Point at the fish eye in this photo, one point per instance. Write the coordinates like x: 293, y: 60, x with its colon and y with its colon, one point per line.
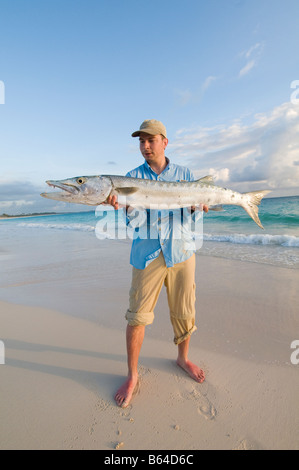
x: 81, y: 180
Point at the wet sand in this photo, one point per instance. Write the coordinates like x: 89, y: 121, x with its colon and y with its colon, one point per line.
x: 63, y: 327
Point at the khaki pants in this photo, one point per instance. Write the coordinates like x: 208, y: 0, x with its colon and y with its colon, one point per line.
x: 180, y: 284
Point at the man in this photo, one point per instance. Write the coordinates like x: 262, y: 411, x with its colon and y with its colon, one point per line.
x: 157, y: 260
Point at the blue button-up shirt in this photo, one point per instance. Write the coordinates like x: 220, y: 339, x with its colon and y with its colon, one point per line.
x: 168, y: 231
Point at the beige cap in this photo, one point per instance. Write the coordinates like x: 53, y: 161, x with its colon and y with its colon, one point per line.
x: 151, y: 126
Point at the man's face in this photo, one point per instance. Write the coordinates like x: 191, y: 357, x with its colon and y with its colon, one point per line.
x: 152, y: 147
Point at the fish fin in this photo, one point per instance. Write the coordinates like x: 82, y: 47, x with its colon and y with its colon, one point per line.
x: 217, y: 208
x: 251, y: 207
x: 127, y: 190
x: 206, y: 179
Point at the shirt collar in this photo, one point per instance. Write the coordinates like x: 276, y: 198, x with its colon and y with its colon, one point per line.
x: 165, y: 169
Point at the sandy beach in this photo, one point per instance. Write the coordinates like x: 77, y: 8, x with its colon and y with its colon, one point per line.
x: 62, y: 305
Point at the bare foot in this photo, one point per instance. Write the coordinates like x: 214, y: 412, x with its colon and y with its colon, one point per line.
x: 126, y: 392
x: 194, y: 371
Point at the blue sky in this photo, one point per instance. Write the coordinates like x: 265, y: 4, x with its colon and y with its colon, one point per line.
x: 77, y: 77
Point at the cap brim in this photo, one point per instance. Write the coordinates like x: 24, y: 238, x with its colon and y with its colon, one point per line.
x: 137, y: 133
x: 147, y: 131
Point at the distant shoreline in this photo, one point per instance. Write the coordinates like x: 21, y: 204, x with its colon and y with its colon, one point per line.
x: 37, y: 214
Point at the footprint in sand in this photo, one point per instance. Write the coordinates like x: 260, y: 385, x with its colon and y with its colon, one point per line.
x: 246, y: 444
x: 208, y: 411
x: 206, y: 407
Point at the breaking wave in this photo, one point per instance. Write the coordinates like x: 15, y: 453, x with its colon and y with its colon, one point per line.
x: 77, y: 227
x: 254, y: 239
x: 237, y: 238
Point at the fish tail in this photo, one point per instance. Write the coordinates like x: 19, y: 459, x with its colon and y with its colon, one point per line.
x: 251, y: 205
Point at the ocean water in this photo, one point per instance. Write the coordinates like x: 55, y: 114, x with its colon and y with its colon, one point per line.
x: 228, y: 234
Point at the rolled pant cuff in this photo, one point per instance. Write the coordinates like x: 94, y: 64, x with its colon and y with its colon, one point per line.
x: 140, y: 319
x: 182, y: 338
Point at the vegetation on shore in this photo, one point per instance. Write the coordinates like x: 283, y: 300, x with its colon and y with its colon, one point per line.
x: 33, y: 214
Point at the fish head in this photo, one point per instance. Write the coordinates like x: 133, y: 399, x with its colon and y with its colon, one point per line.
x: 89, y: 190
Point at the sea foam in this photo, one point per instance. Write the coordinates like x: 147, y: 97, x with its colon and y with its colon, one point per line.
x: 254, y: 239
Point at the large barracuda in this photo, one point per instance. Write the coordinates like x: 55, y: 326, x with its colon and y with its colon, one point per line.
x: 152, y: 194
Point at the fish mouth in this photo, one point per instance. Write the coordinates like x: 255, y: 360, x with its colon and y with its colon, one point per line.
x: 69, y: 191
x: 68, y: 187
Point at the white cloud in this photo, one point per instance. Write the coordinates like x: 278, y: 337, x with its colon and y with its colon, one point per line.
x: 208, y: 81
x: 263, y: 154
x: 247, y: 68
x: 18, y: 203
x: 251, y: 56
x: 183, y: 96
x: 19, y: 197
x: 186, y: 96
x: 220, y: 175
x: 252, y: 50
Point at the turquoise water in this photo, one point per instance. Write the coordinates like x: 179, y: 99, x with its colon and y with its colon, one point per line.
x: 231, y: 233
x: 279, y: 216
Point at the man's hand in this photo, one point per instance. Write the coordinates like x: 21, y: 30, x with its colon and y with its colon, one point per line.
x: 112, y: 201
x: 201, y: 207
